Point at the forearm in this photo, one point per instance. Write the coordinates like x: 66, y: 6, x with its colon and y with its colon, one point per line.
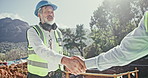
x: 48, y: 54
x: 91, y: 63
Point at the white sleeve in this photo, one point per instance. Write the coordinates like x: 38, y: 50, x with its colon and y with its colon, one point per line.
x: 132, y: 47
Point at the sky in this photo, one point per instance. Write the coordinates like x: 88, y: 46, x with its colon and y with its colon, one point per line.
x: 69, y: 13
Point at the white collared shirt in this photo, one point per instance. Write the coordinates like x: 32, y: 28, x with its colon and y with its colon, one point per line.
x: 45, y: 52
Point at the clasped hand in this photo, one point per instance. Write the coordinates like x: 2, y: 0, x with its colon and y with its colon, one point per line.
x: 74, y: 65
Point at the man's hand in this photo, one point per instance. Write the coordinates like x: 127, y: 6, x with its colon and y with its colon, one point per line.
x: 80, y: 61
x: 74, y: 64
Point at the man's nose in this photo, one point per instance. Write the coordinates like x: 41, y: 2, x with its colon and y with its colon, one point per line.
x: 51, y: 14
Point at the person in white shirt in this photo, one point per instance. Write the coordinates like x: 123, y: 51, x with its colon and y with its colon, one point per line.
x: 45, y: 41
x: 132, y: 47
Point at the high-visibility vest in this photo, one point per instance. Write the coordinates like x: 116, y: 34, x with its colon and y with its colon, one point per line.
x: 37, y: 65
x: 146, y: 20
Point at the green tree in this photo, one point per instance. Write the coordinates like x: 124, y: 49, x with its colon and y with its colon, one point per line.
x: 92, y: 50
x: 69, y: 39
x: 75, y: 40
x: 80, y: 38
x: 113, y: 20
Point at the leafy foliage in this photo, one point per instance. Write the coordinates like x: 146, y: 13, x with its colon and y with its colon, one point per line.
x: 75, y: 40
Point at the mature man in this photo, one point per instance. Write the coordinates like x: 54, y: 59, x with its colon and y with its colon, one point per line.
x: 45, y: 42
x: 132, y: 47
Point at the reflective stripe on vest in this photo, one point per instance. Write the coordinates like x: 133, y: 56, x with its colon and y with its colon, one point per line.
x: 37, y: 65
x: 146, y: 21
x: 58, y: 37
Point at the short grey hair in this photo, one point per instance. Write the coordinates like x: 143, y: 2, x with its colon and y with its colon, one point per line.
x: 40, y: 10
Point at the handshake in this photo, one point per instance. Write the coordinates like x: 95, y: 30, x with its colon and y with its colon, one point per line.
x: 74, y: 65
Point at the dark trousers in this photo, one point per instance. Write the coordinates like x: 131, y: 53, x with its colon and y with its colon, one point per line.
x: 30, y: 75
x: 54, y: 74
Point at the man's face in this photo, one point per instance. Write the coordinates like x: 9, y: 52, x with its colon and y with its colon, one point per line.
x: 47, y: 15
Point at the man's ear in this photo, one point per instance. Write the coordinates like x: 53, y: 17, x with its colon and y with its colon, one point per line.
x: 39, y: 15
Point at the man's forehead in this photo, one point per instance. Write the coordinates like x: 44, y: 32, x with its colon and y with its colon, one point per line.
x: 47, y: 7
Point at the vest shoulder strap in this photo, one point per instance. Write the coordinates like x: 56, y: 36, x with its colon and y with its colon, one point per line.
x: 58, y: 37
x: 146, y: 20
x: 39, y: 32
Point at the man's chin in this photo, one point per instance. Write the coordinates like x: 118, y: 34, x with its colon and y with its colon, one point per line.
x: 50, y: 22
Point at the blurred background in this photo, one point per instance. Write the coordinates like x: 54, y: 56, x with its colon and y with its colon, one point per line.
x: 89, y: 27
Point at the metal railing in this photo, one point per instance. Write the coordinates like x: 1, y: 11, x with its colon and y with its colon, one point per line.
x: 109, y: 75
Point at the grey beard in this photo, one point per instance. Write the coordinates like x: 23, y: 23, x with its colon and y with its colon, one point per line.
x: 50, y: 22
x: 44, y: 20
